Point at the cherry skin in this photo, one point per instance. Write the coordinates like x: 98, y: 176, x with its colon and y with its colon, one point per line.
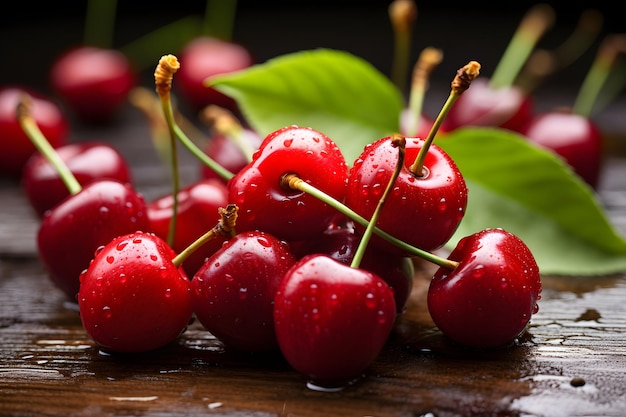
x: 575, y: 138
x: 233, y: 292
x: 88, y: 161
x: 341, y: 243
x: 225, y: 152
x: 16, y: 145
x: 482, y: 105
x: 71, y: 231
x: 133, y: 298
x: 198, y: 205
x: 94, y: 82
x: 204, y: 57
x: 421, y: 211
x: 488, y: 299
x: 264, y: 204
x: 332, y: 320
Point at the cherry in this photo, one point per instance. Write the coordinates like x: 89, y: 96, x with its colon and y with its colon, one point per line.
x: 72, y: 230
x: 332, y: 320
x: 93, y: 81
x: 289, y: 214
x: 132, y: 297
x: 340, y: 243
x: 233, y: 292
x: 17, y: 147
x: 423, y: 210
x: 574, y: 137
x: 206, y: 56
x: 197, y: 212
x: 498, y: 102
x: 88, y: 161
x: 488, y: 299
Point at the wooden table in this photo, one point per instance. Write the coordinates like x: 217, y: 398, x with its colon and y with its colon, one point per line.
x: 571, y: 362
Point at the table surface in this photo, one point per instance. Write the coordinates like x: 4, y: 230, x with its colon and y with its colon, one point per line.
x: 570, y: 362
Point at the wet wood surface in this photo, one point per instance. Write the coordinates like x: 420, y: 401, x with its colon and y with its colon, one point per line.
x: 570, y: 362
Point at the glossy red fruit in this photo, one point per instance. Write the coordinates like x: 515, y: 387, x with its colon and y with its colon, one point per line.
x: 482, y: 105
x: 332, y: 320
x: 576, y: 138
x: 132, y: 297
x: 198, y: 205
x: 16, y: 146
x: 421, y: 211
x: 70, y: 232
x: 233, y: 293
x: 88, y: 161
x: 264, y: 204
x: 488, y: 299
x: 203, y: 57
x: 341, y: 243
x: 225, y: 152
x: 94, y: 82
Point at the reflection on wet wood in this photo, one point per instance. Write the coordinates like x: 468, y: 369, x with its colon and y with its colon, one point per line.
x: 571, y: 362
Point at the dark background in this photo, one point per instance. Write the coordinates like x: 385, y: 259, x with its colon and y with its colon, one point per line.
x: 32, y: 36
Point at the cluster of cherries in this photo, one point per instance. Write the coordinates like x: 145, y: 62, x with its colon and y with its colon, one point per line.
x: 278, y: 255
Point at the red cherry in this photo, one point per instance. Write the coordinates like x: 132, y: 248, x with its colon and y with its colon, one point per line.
x: 483, y: 105
x: 332, y: 320
x: 204, y: 57
x: 225, y: 152
x: 16, y: 146
x: 88, y: 161
x: 341, y: 243
x: 233, y: 292
x: 574, y: 137
x: 94, y: 82
x: 71, y: 231
x: 421, y: 211
x: 291, y: 215
x: 197, y: 213
x: 133, y: 298
x: 489, y: 298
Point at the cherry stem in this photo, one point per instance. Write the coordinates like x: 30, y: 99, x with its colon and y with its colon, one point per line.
x: 99, y: 23
x: 163, y: 76
x: 224, y: 122
x: 224, y: 227
x: 532, y: 27
x: 402, y: 14
x: 31, y: 129
x: 185, y: 140
x: 460, y: 83
x: 605, y: 60
x: 543, y: 63
x: 293, y: 182
x: 397, y: 141
x: 425, y: 65
x: 219, y: 16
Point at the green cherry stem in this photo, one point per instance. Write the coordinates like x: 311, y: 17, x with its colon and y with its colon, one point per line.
x: 224, y: 227
x: 224, y: 122
x: 293, y: 182
x: 460, y: 83
x: 31, y: 129
x: 402, y: 14
x: 163, y: 75
x: 99, y: 23
x: 397, y: 141
x: 533, y: 26
x: 428, y: 60
x: 606, y: 57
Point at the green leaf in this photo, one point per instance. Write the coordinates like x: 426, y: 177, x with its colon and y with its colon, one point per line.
x: 332, y: 91
x: 534, y: 194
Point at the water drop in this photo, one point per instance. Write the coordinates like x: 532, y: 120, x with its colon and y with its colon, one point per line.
x: 107, y: 312
x: 153, y: 257
x: 120, y: 246
x: 287, y: 142
x: 264, y: 242
x: 137, y: 240
x: 168, y: 293
x: 243, y: 293
x: 110, y: 259
x: 370, y: 300
x: 443, y: 204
